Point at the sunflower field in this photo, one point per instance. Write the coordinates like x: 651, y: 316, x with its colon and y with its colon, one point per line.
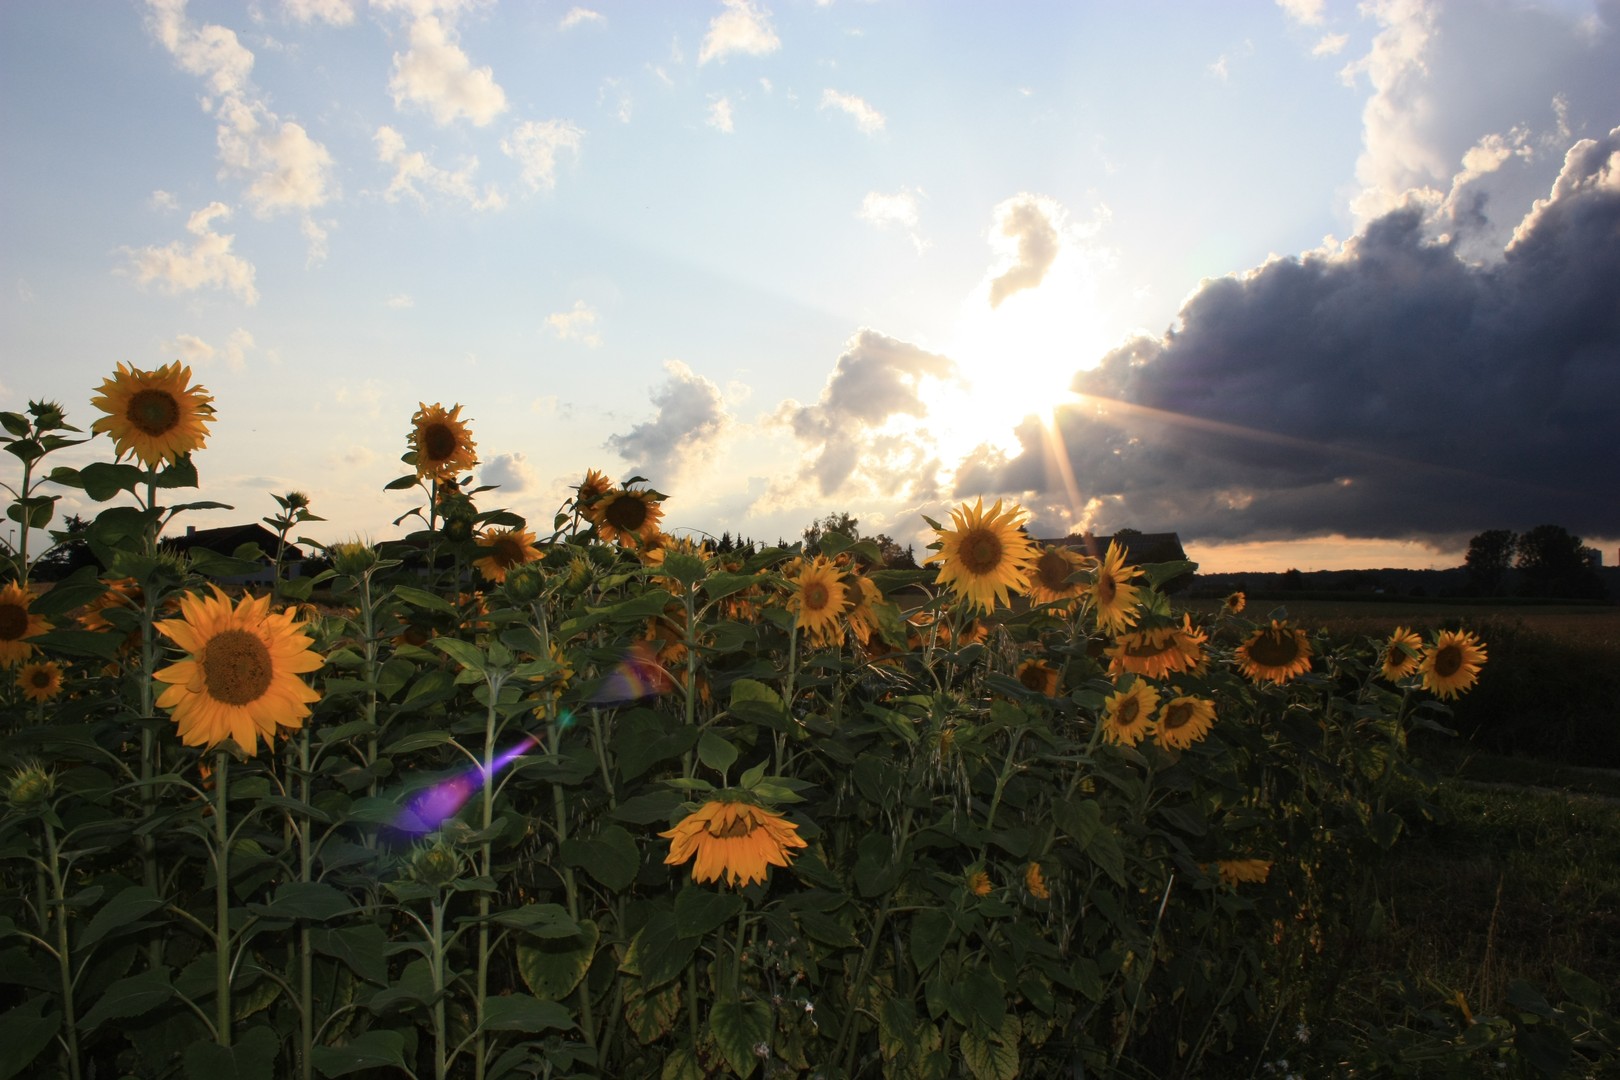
x: 586, y: 798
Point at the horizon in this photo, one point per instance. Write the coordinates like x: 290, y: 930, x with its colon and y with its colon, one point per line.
x: 1314, y: 284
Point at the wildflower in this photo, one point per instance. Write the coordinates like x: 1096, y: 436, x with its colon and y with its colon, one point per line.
x: 1183, y: 721
x: 1049, y: 578
x: 441, y: 443
x: 732, y: 841
x: 1236, y: 871
x: 1400, y: 654
x: 40, y: 681
x: 818, y: 598
x: 1126, y: 714
x: 155, y: 416
x: 1035, y: 883
x: 985, y: 555
x: 17, y: 625
x: 1275, y: 653
x: 240, y: 680
x: 1113, y: 598
x: 502, y: 550
x: 1235, y: 603
x: 1451, y: 665
x: 978, y: 883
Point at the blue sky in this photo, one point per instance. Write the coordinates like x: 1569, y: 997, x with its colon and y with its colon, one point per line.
x: 786, y: 258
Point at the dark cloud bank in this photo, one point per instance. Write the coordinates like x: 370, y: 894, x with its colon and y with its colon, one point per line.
x: 1394, y: 390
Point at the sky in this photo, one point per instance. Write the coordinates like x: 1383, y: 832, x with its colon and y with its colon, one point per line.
x: 1315, y: 284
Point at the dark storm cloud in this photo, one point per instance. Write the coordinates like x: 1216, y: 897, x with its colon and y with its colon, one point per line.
x: 691, y: 417
x: 1394, y: 390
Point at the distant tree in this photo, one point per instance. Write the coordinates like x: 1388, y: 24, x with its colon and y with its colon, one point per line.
x: 724, y: 546
x: 71, y: 551
x: 841, y: 522
x: 1490, y: 554
x: 1293, y: 580
x: 1553, y: 563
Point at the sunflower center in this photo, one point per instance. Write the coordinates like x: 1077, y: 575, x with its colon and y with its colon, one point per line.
x: 1106, y: 589
x: 1053, y: 571
x: 981, y: 551
x: 1178, y: 715
x: 13, y: 622
x: 507, y: 551
x: 740, y: 826
x: 1447, y: 661
x: 155, y: 412
x: 1034, y: 678
x: 1129, y: 710
x: 1274, y: 650
x: 816, y: 596
x: 438, y: 442
x: 626, y: 513
x: 1149, y: 647
x: 236, y: 667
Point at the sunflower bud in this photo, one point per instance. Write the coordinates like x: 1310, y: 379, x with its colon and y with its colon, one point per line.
x: 523, y: 583
x: 31, y: 786
x: 437, y: 865
x: 352, y: 557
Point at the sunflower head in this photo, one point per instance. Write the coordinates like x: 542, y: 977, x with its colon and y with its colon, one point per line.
x: 40, y: 682
x: 1401, y: 654
x: 1035, y: 882
x: 1275, y: 653
x: 628, y: 516
x: 732, y: 841
x: 1039, y: 676
x: 593, y: 487
x: 1234, y: 872
x: 503, y: 550
x: 30, y: 785
x: 156, y: 416
x: 1155, y: 652
x: 1234, y: 603
x: 1049, y: 577
x: 1113, y: 597
x: 984, y: 556
x: 819, y: 597
x: 17, y: 625
x: 1183, y: 721
x: 1450, y: 666
x: 441, y: 444
x: 1128, y: 713
x: 978, y: 883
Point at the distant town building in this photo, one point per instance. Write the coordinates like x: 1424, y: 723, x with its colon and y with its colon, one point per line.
x: 1139, y: 547
x: 227, y: 539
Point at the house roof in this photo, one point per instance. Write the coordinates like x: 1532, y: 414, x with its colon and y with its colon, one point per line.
x: 228, y: 538
x: 1139, y: 547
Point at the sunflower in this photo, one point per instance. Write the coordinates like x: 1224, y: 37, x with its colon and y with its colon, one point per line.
x: 978, y: 883
x: 1035, y: 882
x: 864, y: 598
x: 1400, y: 654
x: 627, y: 513
x: 154, y: 415
x: 441, y: 442
x: 1113, y: 598
x: 1039, y: 676
x: 593, y: 487
x: 1235, y: 603
x: 818, y: 598
x: 240, y: 680
x: 1127, y: 714
x: 1236, y: 871
x: 1451, y: 665
x: 733, y: 841
x: 40, y: 681
x: 507, y: 549
x: 1183, y: 721
x: 1155, y: 653
x: 1049, y: 578
x: 1275, y: 653
x: 17, y: 625
x: 985, y: 556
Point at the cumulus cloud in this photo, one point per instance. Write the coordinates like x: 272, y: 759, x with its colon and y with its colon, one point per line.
x: 400, y: 301
x: 1308, y: 12
x: 720, y: 115
x: 893, y: 211
x: 206, y: 261
x: 576, y: 324
x: 535, y: 144
x: 1389, y: 390
x: 436, y: 74
x: 579, y: 16
x: 740, y: 28
x: 868, y: 431
x: 1028, y: 236
x: 691, y: 418
x: 868, y: 119
x: 509, y: 472
x: 415, y: 176
x: 336, y: 12
x: 1330, y: 45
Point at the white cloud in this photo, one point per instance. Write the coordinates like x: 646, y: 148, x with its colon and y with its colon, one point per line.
x: 399, y: 301
x: 1219, y: 68
x: 509, y: 472
x: 189, y: 349
x: 579, y: 16
x: 210, y: 52
x: 164, y: 200
x: 576, y: 324
x: 336, y: 12
x: 535, y: 145
x: 691, y: 418
x: 206, y: 262
x: 315, y: 234
x: 236, y: 348
x: 868, y: 119
x: 1027, y: 235
x: 1307, y: 12
x: 1331, y: 45
x: 415, y: 175
x: 436, y: 74
x: 720, y: 115
x: 741, y: 28
x: 898, y: 210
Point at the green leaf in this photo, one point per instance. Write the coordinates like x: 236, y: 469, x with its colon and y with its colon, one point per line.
x: 74, y: 591
x: 180, y: 473
x: 682, y: 1064
x: 16, y: 423
x: 657, y: 953
x: 716, y: 752
x: 79, y: 643
x: 361, y: 948
x: 305, y: 900
x: 992, y: 1054
x: 930, y: 931
x: 24, y: 1032
x: 117, y: 914
x: 722, y: 583
x: 827, y: 930
x: 251, y: 1056
x: 540, y: 920
x: 523, y: 1012
x: 552, y: 967
x: 422, y: 740
x: 129, y: 997
x: 738, y: 1027
x: 655, y: 806
x: 699, y: 910
x: 103, y: 480
x: 423, y: 599
x: 984, y: 997
x: 464, y: 653
x: 375, y: 1049
x: 611, y: 856
x: 686, y: 569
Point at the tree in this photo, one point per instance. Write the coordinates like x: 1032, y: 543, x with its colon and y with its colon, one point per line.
x: 842, y: 522
x: 1554, y: 563
x: 71, y: 551
x: 1489, y: 556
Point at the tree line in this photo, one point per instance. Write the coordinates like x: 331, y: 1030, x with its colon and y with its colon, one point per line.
x: 1547, y: 560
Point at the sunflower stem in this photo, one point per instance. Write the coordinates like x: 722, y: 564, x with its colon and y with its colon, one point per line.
x: 441, y: 1063
x: 306, y: 960
x: 493, y: 681
x: 149, y: 753
x: 63, y: 955
x: 222, y: 900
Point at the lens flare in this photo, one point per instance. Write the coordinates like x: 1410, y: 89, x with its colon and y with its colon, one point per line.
x: 439, y: 803
x: 637, y: 676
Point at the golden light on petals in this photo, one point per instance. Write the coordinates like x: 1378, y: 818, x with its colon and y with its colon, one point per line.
x: 1451, y: 665
x: 1127, y: 714
x: 818, y: 599
x: 1235, y: 603
x: 1275, y: 653
x: 40, y: 681
x: 734, y: 842
x: 1237, y: 871
x: 17, y: 625
x: 503, y: 550
x: 1154, y: 653
x: 1049, y: 577
x: 1400, y: 657
x: 864, y: 598
x: 442, y: 442
x: 1035, y: 882
x: 978, y: 883
x: 593, y: 487
x: 239, y: 680
x: 1183, y: 721
x: 156, y: 416
x: 984, y: 556
x: 1113, y: 597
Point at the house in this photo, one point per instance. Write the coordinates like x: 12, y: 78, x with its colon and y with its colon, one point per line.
x: 1139, y: 547
x: 227, y: 539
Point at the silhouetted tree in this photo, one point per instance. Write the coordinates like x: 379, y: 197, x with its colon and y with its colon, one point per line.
x: 71, y: 552
x: 1554, y: 563
x: 841, y: 522
x: 1489, y: 556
